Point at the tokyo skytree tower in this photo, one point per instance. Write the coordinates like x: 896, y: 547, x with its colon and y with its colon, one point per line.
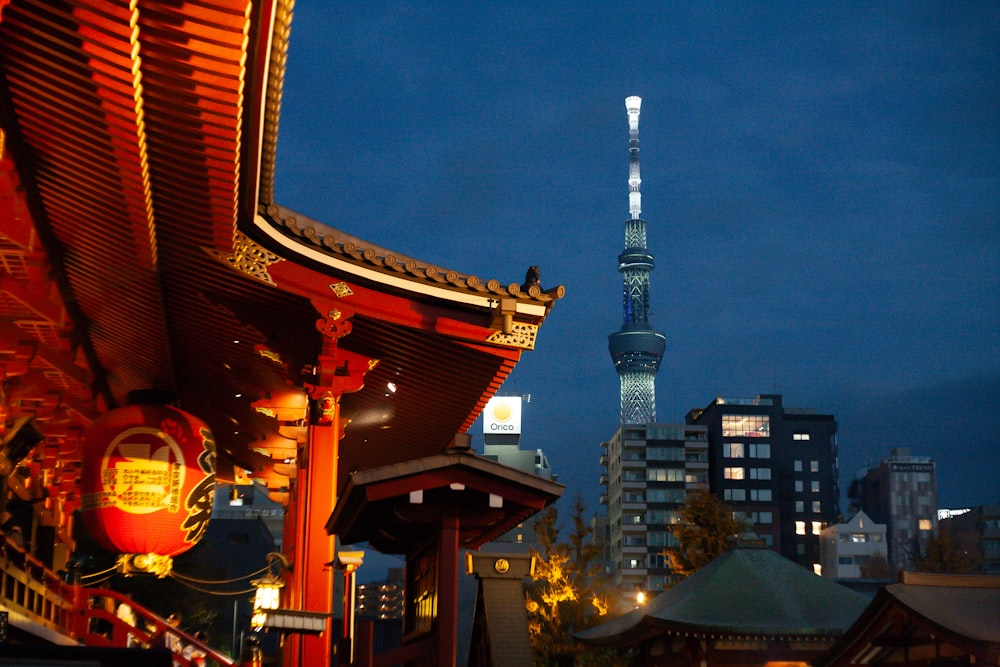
x: 636, y: 349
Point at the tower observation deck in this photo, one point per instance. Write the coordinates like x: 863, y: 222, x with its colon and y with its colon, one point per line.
x: 636, y: 349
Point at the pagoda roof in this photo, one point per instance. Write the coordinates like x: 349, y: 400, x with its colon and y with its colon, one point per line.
x: 142, y: 248
x: 745, y: 593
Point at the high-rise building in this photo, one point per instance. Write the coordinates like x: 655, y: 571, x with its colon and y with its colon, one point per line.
x: 776, y: 465
x: 900, y: 492
x: 649, y: 468
x: 636, y: 349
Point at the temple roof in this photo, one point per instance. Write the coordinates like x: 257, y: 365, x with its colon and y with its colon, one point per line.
x: 142, y: 247
x: 925, y: 618
x: 746, y: 593
x: 396, y: 508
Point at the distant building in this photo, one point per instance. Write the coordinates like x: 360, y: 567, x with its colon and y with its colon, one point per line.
x: 976, y: 532
x: 502, y: 443
x: 776, y: 465
x: 249, y: 502
x: 845, y: 548
x: 900, y: 492
x: 648, y: 470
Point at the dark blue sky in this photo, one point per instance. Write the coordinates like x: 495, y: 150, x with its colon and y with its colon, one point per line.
x: 821, y: 184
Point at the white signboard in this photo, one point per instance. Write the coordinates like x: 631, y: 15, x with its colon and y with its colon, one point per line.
x: 502, y: 415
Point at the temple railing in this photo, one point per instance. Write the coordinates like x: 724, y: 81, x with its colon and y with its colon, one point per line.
x: 33, y: 591
x: 80, y: 614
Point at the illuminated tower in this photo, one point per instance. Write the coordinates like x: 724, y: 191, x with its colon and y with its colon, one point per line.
x: 636, y: 349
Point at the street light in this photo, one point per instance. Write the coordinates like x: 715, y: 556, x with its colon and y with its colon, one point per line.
x: 267, y: 598
x: 268, y: 594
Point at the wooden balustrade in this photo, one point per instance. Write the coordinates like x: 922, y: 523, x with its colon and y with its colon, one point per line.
x: 86, y: 615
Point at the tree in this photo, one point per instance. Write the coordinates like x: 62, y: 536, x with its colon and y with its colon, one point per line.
x: 877, y: 567
x: 569, y: 592
x: 942, y: 554
x: 706, y: 530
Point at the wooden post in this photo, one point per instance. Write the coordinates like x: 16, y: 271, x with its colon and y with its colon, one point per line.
x: 447, y: 613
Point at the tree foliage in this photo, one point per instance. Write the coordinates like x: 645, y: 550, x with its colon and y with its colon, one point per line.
x: 942, y: 554
x: 877, y: 567
x: 569, y: 592
x: 706, y: 530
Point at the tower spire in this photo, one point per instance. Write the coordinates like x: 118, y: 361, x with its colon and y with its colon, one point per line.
x: 636, y: 349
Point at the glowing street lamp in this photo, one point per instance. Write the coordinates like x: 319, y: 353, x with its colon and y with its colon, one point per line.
x: 267, y: 598
x: 268, y: 595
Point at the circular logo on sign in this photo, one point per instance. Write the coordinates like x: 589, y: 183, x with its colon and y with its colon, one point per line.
x: 501, y: 565
x: 501, y: 412
x: 143, y: 471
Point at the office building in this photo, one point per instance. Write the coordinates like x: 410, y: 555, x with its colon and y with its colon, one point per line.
x: 900, y: 492
x: 776, y: 465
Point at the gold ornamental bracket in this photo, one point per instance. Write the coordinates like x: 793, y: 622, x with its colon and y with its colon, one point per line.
x: 248, y: 257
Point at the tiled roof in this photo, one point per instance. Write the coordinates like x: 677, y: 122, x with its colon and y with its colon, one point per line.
x: 744, y: 593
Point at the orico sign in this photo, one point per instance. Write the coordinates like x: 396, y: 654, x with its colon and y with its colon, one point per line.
x: 502, y: 415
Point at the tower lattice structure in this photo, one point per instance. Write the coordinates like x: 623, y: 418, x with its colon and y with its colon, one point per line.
x: 636, y: 349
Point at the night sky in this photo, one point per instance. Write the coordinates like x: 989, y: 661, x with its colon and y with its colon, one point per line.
x: 820, y: 181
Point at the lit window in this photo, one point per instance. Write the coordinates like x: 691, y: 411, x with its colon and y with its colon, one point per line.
x: 746, y: 426
x: 800, y: 436
x: 800, y: 527
x: 925, y: 524
x: 733, y: 450
x: 815, y: 486
x: 817, y: 527
x: 814, y: 466
x: 733, y: 473
x: 816, y: 507
x: 859, y: 537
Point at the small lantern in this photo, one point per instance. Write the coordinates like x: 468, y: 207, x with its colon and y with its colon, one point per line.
x: 267, y: 598
x: 268, y: 595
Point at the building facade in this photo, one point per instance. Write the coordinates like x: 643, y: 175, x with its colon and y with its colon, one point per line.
x: 776, y: 465
x: 847, y: 548
x: 900, y: 492
x: 977, y: 534
x: 647, y: 470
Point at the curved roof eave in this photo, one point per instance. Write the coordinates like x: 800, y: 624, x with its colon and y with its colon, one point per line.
x: 294, y: 236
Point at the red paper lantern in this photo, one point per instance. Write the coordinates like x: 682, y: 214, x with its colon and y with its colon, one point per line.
x: 147, y: 481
